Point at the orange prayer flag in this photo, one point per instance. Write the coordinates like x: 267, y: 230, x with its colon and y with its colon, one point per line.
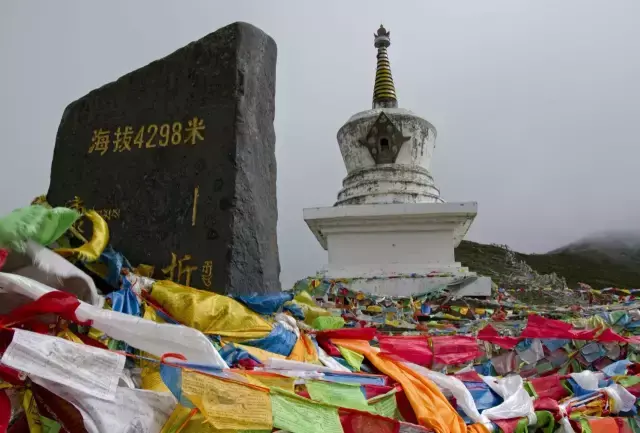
x: 431, y: 407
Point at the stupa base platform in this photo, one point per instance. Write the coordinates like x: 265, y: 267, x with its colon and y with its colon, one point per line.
x: 397, y: 250
x: 459, y: 284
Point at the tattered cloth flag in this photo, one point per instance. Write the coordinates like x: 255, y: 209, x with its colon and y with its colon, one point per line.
x: 38, y: 223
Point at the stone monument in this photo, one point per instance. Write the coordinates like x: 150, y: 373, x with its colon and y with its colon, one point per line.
x: 390, y: 232
x: 179, y: 158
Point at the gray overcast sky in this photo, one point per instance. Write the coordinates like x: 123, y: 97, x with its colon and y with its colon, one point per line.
x: 535, y: 102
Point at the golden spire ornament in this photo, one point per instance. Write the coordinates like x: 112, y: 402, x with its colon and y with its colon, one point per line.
x: 384, y: 91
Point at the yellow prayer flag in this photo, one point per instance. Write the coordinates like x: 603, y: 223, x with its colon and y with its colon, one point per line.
x: 145, y: 270
x: 183, y: 421
x: 304, y: 350
x: 181, y: 417
x: 271, y: 380
x: 70, y: 336
x: 31, y: 411
x: 260, y: 354
x: 309, y: 307
x: 227, y: 404
x: 209, y: 312
x: 152, y: 380
x: 91, y: 250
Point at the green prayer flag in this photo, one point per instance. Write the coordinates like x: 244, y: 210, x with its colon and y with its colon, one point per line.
x: 628, y: 381
x: 300, y: 415
x: 386, y: 405
x: 49, y: 425
x: 354, y: 359
x: 322, y: 323
x: 339, y: 394
x: 586, y: 428
x: 546, y: 422
x: 633, y: 423
x: 633, y: 357
x: 37, y: 223
x: 617, y: 315
x: 530, y: 390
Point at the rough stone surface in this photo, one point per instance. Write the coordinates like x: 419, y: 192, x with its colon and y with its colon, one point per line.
x: 147, y: 193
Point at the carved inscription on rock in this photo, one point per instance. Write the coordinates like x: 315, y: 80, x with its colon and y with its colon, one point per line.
x: 179, y: 158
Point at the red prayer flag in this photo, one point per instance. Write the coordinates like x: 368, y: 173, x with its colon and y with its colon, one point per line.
x: 539, y: 327
x: 409, y: 348
x: 3, y: 256
x: 507, y: 425
x: 328, y: 346
x: 549, y: 386
x: 354, y: 421
x: 490, y: 334
x: 469, y: 376
x: 367, y: 334
x: 5, y: 411
x: 609, y: 336
x: 59, y: 409
x: 455, y: 349
x: 371, y: 391
x: 404, y: 407
x: 546, y: 403
x: 11, y: 376
x: 57, y: 302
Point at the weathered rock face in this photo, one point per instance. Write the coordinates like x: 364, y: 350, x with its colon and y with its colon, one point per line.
x: 179, y: 157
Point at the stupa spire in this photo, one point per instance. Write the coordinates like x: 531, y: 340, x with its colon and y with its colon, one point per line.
x: 384, y: 91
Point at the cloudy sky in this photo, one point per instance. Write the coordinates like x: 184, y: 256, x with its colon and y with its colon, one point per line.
x: 536, y: 102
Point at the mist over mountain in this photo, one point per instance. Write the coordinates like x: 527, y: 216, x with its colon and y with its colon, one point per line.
x: 621, y: 247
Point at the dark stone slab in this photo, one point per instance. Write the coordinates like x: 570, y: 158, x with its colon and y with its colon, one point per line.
x: 191, y: 130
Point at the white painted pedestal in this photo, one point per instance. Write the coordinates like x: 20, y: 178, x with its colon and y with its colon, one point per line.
x: 397, y: 249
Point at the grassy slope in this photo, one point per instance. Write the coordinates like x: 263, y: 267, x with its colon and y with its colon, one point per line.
x: 595, y: 269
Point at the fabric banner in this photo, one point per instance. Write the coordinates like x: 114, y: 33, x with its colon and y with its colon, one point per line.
x: 209, y: 312
x: 455, y: 349
x: 51, y: 406
x: 227, y: 404
x: 431, y: 407
x: 490, y: 334
x: 359, y: 422
x: 385, y: 405
x: 87, y: 369
x: 5, y: 411
x: 265, y: 304
x: 270, y: 380
x: 413, y: 349
x: 338, y: 394
x: 39, y: 223
x: 130, y: 410
x: 540, y: 327
x: 297, y: 414
x: 353, y: 359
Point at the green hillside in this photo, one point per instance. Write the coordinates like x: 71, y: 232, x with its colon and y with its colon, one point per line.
x: 596, y: 268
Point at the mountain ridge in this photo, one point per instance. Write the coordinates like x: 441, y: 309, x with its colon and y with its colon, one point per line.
x: 598, y: 264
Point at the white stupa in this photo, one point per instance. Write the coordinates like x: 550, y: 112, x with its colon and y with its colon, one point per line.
x: 390, y: 232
